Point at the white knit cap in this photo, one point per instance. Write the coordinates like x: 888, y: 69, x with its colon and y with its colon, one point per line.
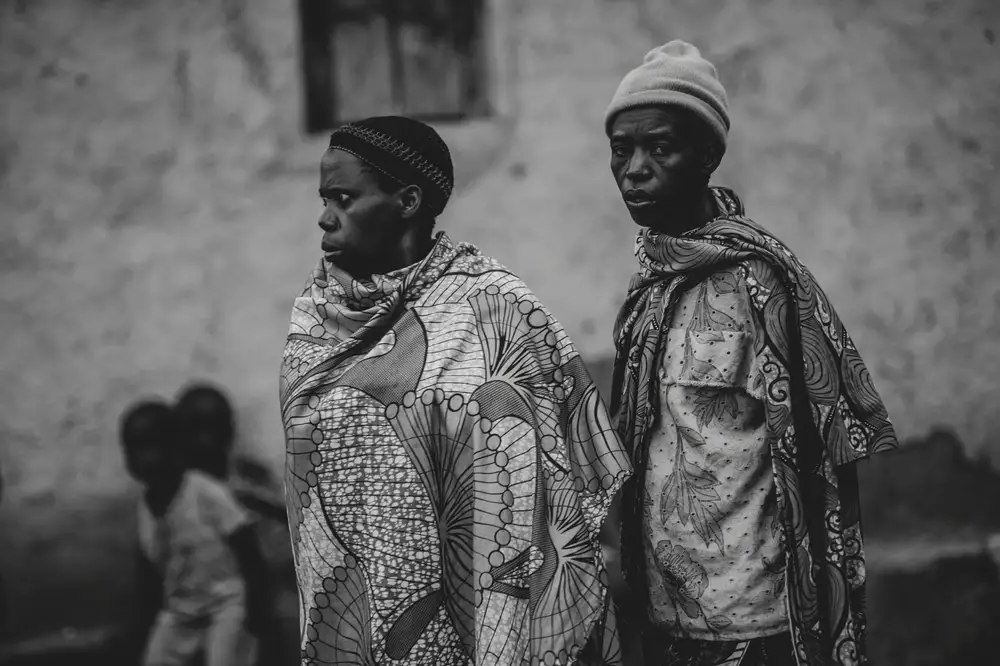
x: 675, y: 74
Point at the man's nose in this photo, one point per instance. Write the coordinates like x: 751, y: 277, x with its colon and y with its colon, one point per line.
x: 328, y: 220
x: 638, y: 166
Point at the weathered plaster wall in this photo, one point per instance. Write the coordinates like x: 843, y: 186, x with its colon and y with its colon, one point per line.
x: 127, y: 133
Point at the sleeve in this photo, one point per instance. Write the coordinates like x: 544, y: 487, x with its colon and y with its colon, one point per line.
x: 219, y: 506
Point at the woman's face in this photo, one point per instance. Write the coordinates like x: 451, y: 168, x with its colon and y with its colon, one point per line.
x: 363, y: 226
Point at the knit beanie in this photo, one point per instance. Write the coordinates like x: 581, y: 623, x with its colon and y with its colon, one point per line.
x: 675, y: 74
x: 405, y: 150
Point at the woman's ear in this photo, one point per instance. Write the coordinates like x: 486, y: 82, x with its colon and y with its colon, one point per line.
x: 410, y: 198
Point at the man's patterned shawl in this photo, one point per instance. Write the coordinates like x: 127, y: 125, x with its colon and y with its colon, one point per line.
x: 449, y: 465
x: 823, y: 414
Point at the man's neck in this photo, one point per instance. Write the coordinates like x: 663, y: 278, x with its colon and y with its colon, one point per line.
x: 692, y: 214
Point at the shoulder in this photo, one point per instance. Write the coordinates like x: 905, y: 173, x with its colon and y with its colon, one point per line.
x: 207, y: 486
x: 771, y: 265
x: 471, y: 260
x: 477, y: 274
x: 497, y: 295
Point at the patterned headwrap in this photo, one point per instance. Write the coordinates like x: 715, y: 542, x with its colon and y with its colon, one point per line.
x: 406, y: 150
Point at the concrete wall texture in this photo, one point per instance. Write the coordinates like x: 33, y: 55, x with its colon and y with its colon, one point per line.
x: 158, y: 214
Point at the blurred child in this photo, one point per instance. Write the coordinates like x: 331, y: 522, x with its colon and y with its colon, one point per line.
x: 208, y: 427
x: 202, y: 579
x: 206, y: 419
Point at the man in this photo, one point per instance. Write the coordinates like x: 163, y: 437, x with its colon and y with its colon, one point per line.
x: 743, y: 401
x: 449, y: 460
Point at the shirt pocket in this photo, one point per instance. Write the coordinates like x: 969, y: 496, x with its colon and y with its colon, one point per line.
x: 711, y: 359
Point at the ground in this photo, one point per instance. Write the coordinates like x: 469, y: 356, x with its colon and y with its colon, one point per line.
x: 159, y: 212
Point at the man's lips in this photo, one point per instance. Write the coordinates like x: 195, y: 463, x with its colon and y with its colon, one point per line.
x: 637, y: 197
x: 637, y: 200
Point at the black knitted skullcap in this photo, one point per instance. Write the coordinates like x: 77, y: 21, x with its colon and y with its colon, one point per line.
x: 404, y: 149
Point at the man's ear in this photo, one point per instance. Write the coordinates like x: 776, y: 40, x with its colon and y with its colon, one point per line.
x: 711, y: 156
x: 410, y: 198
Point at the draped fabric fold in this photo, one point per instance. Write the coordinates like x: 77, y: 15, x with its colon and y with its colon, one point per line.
x: 449, y: 466
x: 823, y: 413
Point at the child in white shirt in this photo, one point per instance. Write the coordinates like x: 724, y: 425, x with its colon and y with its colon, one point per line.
x: 197, y: 547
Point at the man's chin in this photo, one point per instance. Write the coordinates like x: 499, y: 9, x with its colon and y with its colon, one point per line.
x: 337, y: 261
x: 645, y: 218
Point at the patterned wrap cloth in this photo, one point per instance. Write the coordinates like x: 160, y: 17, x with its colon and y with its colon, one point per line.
x: 449, y: 466
x: 822, y: 410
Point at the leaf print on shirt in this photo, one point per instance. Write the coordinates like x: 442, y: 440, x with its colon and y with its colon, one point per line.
x: 708, y: 318
x: 711, y: 404
x: 691, y: 492
x: 697, y: 369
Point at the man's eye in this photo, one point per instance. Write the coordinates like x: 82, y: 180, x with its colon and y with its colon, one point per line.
x: 618, y: 151
x: 661, y: 149
x: 341, y: 200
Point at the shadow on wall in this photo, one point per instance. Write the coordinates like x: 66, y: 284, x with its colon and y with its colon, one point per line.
x: 929, y: 487
x: 942, y: 615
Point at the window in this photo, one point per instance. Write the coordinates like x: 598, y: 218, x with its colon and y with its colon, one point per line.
x: 421, y: 58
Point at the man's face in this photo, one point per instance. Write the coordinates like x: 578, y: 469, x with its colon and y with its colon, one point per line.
x: 363, y: 225
x: 657, y: 161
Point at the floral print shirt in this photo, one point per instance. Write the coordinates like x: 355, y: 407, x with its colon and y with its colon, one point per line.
x: 712, y: 530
